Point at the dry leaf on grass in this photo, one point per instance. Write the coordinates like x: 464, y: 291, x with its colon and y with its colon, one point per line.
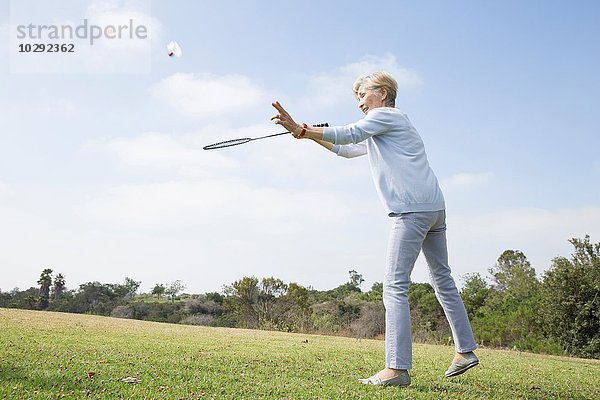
x: 131, y: 379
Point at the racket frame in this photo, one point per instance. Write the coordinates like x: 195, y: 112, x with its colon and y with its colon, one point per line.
x: 236, y: 142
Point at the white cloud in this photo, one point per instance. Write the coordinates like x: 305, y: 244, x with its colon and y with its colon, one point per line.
x: 156, y: 150
x: 182, y: 204
x: 207, y: 94
x: 370, y: 64
x: 60, y: 106
x: 118, y: 13
x: 567, y: 222
x: 306, y: 163
x: 328, y: 89
x: 4, y: 37
x: 5, y: 190
x: 279, y: 180
x: 126, y: 54
x: 475, y: 241
x: 467, y: 180
x: 4, y: 30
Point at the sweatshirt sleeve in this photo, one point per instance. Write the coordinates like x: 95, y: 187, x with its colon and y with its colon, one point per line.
x: 377, y: 121
x: 350, y: 150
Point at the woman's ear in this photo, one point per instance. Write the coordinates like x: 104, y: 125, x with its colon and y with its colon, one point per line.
x: 384, y: 94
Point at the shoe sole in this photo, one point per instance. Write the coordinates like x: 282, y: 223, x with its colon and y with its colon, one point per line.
x: 463, y: 370
x: 387, y: 383
x: 396, y: 385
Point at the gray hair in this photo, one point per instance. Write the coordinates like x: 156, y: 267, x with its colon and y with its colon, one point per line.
x: 378, y: 80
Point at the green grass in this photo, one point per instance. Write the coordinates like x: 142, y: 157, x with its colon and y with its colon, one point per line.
x: 47, y: 355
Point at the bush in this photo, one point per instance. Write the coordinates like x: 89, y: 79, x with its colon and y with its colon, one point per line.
x: 571, y: 300
x: 201, y: 305
x: 122, y: 312
x: 371, y: 322
x: 159, y: 312
x: 428, y: 321
x: 199, y: 319
x: 324, y: 317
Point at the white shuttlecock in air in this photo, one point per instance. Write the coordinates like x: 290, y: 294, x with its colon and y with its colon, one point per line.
x: 173, y: 49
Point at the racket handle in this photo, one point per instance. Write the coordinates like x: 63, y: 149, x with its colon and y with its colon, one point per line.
x: 323, y: 125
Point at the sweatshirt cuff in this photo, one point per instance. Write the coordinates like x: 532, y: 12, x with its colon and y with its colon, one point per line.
x: 329, y: 135
x: 336, y: 149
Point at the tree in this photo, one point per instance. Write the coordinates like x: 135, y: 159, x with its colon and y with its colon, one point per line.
x: 509, y: 315
x: 45, y: 282
x: 270, y: 291
x: 173, y: 289
x: 126, y: 290
x: 513, y: 273
x: 158, y: 290
x: 5, y: 299
x: 299, y: 295
x: 296, y: 316
x: 355, y: 278
x: 242, y: 301
x: 376, y: 293
x: 96, y: 298
x: 59, y: 286
x: 31, y: 301
x: 131, y: 287
x: 216, y: 297
x: 571, y: 299
x: 273, y: 287
x: 428, y: 321
x: 474, y: 293
x: 352, y: 286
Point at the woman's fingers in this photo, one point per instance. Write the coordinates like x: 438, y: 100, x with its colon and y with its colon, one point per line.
x: 281, y: 113
x: 283, y: 118
x: 280, y: 108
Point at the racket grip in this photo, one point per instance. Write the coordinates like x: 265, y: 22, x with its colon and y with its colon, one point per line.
x: 323, y: 125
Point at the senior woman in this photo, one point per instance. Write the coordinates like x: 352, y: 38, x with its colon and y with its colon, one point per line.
x: 412, y: 197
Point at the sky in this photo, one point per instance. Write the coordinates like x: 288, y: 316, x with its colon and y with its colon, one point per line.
x: 103, y: 176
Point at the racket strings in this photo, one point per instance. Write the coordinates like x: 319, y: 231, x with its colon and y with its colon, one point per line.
x: 235, y: 142
x: 227, y: 143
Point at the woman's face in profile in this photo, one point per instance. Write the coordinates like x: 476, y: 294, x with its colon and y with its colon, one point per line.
x: 369, y: 99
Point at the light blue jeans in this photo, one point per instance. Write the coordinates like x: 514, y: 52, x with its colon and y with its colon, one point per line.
x: 412, y: 232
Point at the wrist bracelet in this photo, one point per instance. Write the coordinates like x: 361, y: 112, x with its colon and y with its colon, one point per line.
x: 304, y: 126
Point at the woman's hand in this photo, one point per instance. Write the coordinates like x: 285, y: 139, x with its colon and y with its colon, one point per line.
x: 284, y: 119
x: 303, y: 131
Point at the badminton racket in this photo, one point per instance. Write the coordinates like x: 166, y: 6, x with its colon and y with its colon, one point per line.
x: 235, y: 142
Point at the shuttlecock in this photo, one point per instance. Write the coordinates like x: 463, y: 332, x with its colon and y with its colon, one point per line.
x: 173, y: 49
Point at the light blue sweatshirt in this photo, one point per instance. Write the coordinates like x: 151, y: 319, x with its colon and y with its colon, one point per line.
x: 403, y: 178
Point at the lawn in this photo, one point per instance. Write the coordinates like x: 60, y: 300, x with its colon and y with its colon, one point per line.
x: 46, y: 355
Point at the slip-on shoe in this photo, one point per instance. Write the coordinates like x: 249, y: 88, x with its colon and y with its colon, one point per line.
x: 403, y: 380
x: 469, y: 360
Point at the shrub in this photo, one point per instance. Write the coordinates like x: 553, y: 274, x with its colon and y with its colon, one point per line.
x: 371, y: 322
x: 199, y: 319
x: 122, y: 312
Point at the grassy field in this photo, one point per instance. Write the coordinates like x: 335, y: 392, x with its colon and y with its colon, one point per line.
x: 47, y: 355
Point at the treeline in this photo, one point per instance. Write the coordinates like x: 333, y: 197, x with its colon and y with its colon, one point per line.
x: 558, y: 313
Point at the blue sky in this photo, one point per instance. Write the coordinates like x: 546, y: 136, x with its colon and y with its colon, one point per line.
x: 103, y: 176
